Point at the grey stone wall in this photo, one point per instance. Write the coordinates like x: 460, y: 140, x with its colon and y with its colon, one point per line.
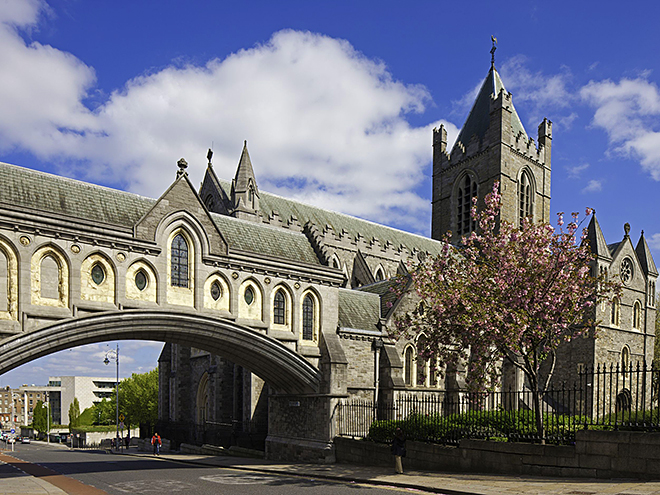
x: 596, y: 454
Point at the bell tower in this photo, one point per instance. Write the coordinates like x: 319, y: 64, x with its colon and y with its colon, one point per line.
x: 491, y: 146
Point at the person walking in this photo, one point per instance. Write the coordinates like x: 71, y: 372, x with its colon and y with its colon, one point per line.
x: 398, y: 449
x: 156, y: 442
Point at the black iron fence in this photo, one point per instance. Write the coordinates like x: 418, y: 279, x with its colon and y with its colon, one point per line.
x: 607, y: 397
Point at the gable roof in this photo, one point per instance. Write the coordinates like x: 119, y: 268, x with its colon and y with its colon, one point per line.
x: 478, y: 119
x: 385, y: 289
x: 36, y: 191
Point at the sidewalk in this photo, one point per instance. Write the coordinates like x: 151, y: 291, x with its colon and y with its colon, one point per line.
x: 450, y: 484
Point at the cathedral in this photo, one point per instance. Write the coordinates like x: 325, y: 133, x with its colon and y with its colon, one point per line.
x: 311, y: 282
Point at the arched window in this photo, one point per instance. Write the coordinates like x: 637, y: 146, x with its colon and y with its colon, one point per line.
x: 179, y: 261
x: 279, y: 308
x: 308, y: 318
x: 50, y: 276
x: 379, y: 274
x: 637, y: 316
x: 203, y: 400
x: 407, y: 365
x: 625, y: 358
x: 422, y: 372
x: 616, y: 312
x: 466, y: 191
x: 4, y: 279
x: 524, y: 197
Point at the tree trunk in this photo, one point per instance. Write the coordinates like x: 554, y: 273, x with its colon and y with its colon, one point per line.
x: 540, y: 425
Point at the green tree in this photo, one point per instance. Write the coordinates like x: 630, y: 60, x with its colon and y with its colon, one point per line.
x: 104, y: 412
x: 40, y: 417
x: 74, y: 413
x: 138, y: 400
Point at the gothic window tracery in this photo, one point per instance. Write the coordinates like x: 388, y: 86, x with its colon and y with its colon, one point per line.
x: 524, y: 197
x: 308, y: 318
x: 279, y: 308
x: 626, y: 271
x: 467, y: 190
x: 179, y: 261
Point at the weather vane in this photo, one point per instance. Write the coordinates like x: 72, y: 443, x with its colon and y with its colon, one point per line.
x: 492, y: 50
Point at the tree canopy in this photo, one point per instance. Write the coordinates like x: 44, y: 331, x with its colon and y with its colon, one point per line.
x: 507, y: 292
x: 74, y: 413
x: 138, y: 400
x: 40, y: 417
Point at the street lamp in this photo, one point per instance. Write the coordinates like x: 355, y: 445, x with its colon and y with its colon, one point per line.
x: 47, y: 417
x: 114, y: 354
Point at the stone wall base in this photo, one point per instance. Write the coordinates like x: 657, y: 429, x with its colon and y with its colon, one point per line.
x: 596, y: 454
x: 300, y: 450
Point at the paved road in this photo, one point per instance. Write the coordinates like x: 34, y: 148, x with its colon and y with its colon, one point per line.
x: 120, y: 475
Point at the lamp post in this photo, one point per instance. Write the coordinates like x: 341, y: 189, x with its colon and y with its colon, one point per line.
x: 47, y: 417
x: 114, y: 354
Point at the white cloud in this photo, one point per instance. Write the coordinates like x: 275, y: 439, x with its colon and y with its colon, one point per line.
x: 593, y: 186
x: 654, y: 241
x: 628, y: 111
x: 540, y: 90
x: 324, y: 123
x: 576, y: 171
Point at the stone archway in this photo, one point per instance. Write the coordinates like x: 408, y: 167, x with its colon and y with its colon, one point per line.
x: 284, y: 370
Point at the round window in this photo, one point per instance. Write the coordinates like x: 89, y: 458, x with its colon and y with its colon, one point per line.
x: 626, y: 270
x: 141, y: 280
x: 249, y: 295
x: 98, y: 274
x: 216, y: 291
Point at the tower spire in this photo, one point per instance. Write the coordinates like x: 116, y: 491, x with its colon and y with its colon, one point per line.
x: 492, y: 51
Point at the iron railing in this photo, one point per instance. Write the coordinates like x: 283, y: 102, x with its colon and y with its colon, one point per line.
x: 607, y: 397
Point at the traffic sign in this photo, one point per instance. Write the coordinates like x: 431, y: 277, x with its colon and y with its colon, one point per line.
x: 12, y: 431
x: 121, y: 418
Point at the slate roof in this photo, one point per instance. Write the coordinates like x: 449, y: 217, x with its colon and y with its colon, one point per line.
x: 287, y: 208
x: 645, y: 257
x: 479, y: 117
x: 263, y: 239
x: 384, y: 290
x: 358, y: 310
x: 596, y: 239
x: 41, y: 192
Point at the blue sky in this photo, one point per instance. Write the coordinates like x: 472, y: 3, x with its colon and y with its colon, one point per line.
x: 336, y: 99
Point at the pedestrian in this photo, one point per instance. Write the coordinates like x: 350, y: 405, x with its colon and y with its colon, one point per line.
x: 156, y: 442
x: 128, y: 440
x: 399, y: 449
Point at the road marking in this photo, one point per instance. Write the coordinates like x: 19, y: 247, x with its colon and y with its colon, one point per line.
x: 153, y: 486
x: 238, y: 479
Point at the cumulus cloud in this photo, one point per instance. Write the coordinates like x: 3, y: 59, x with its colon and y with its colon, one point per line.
x: 593, y: 186
x: 324, y: 123
x: 628, y: 111
x: 654, y: 241
x: 576, y: 171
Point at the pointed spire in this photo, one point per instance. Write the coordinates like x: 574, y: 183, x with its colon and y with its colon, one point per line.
x: 244, y: 190
x: 596, y: 239
x: 478, y: 119
x: 645, y: 257
x: 244, y: 172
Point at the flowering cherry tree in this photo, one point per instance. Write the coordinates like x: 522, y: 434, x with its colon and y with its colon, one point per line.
x: 506, y: 293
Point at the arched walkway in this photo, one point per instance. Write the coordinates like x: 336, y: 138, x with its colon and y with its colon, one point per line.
x: 280, y: 367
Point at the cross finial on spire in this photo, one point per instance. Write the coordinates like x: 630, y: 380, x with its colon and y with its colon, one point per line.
x: 492, y: 50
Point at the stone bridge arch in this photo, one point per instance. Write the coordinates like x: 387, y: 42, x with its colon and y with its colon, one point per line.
x: 283, y: 369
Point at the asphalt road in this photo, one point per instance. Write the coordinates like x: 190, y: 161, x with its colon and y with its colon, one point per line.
x: 116, y: 474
